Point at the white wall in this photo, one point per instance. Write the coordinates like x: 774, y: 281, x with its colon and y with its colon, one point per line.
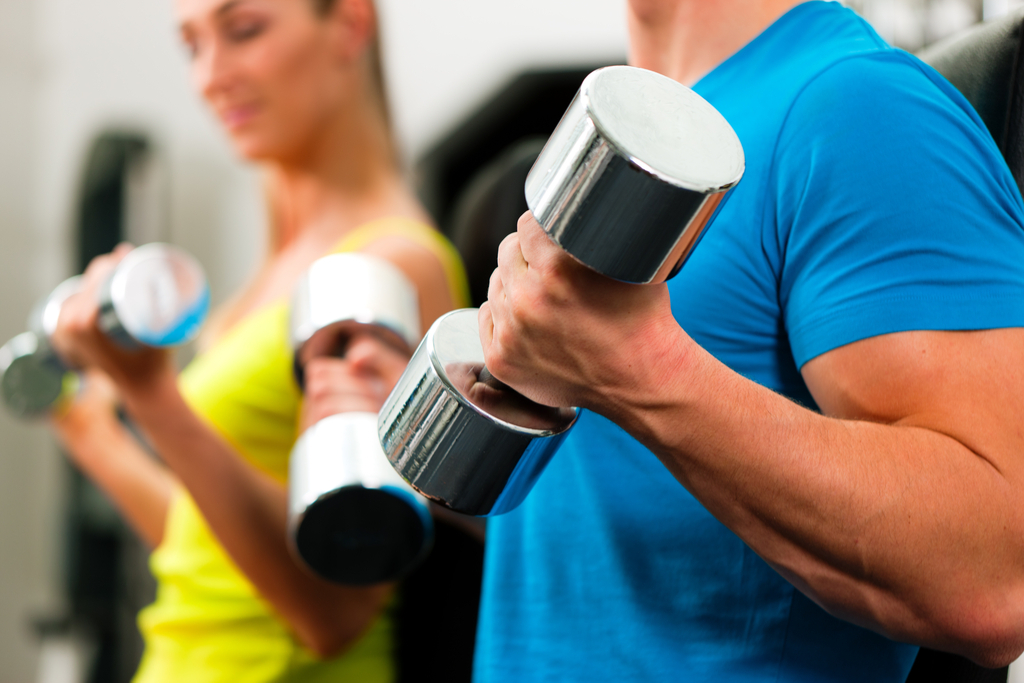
x: 444, y: 56
x: 70, y: 68
x: 28, y: 471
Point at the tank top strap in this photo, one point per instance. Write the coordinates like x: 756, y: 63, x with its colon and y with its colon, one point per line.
x: 423, y: 235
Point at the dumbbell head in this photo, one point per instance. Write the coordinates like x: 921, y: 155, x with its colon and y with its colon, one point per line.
x: 633, y: 174
x: 342, y: 293
x: 33, y: 380
x: 474, y: 446
x: 626, y: 184
x: 352, y: 518
x: 157, y: 296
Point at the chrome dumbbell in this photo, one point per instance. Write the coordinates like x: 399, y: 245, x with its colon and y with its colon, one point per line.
x: 157, y: 296
x: 632, y: 175
x: 352, y: 518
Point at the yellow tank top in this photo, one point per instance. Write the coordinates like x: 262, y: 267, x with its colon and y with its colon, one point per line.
x: 208, y: 623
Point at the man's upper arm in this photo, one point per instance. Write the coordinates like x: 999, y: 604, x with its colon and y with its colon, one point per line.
x: 966, y: 385
x: 894, y: 211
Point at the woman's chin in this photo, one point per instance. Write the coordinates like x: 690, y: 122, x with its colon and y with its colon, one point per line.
x: 253, y: 148
x: 262, y: 149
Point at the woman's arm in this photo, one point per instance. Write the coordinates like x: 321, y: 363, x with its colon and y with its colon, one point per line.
x: 101, y: 447
x: 245, y: 509
x: 425, y: 271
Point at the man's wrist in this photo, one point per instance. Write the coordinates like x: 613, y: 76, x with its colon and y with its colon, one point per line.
x: 659, y: 373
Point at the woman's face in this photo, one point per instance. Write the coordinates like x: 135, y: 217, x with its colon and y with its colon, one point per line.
x: 273, y: 71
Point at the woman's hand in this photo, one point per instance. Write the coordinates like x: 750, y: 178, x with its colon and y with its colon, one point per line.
x: 358, y: 382
x: 91, y: 415
x: 81, y: 343
x: 331, y: 388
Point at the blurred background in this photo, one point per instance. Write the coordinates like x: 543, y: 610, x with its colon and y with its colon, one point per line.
x: 101, y: 137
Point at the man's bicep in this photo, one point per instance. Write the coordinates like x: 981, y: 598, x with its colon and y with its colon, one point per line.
x: 967, y: 385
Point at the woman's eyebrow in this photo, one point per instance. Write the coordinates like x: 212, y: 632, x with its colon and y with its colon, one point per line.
x: 223, y: 9
x: 227, y: 7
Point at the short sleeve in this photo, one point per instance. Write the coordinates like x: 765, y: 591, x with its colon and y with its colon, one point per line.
x: 894, y: 210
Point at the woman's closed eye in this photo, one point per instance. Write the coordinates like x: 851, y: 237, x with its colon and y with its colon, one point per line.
x: 240, y: 29
x: 236, y: 22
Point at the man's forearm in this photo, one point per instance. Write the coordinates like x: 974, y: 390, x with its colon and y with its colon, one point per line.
x: 872, y: 521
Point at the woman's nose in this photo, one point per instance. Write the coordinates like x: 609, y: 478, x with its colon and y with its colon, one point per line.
x: 212, y: 71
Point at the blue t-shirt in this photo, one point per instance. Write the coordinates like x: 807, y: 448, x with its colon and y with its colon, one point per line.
x: 874, y: 201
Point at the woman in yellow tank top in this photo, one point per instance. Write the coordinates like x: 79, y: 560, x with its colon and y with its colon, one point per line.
x: 297, y: 85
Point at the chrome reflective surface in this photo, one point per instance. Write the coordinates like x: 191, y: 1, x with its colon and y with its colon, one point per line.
x: 342, y: 290
x: 352, y: 518
x: 33, y: 381
x: 157, y: 296
x: 633, y: 173
x: 43, y: 318
x: 471, y: 446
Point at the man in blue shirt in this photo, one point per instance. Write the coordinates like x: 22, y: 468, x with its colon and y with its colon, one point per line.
x: 806, y: 448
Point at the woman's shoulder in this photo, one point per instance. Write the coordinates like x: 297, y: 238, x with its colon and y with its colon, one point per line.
x: 418, y: 231
x: 393, y: 235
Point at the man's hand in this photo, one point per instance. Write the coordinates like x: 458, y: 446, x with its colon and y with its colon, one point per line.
x: 563, y: 335
x: 502, y: 402
x: 80, y: 342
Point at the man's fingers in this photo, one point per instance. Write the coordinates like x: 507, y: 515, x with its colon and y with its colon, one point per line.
x: 485, y: 321
x: 534, y: 244
x: 511, y: 262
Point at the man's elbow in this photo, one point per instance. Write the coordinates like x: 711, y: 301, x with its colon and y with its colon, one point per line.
x: 988, y: 635
x: 995, y: 651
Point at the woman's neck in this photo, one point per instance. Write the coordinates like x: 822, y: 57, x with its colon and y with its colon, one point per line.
x: 347, y: 176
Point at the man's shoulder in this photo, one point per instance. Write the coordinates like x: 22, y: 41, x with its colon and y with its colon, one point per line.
x: 880, y: 87
x: 880, y: 73
x: 885, y: 107
x: 824, y: 71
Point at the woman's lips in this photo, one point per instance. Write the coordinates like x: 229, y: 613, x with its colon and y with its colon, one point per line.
x: 236, y: 117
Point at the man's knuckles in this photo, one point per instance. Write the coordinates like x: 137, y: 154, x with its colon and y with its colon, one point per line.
x: 495, y: 287
x: 508, y: 249
x: 503, y: 339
